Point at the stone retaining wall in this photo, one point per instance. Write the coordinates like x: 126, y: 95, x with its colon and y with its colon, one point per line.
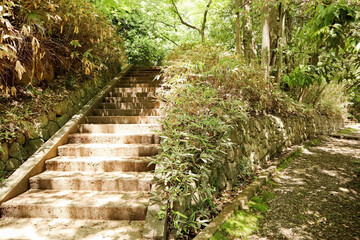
x: 255, y: 143
x: 260, y: 139
x: 47, y: 124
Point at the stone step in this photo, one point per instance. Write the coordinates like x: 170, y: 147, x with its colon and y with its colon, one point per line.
x: 69, y: 229
x: 90, y: 181
x: 138, y: 85
x: 129, y: 99
x: 126, y: 112
x: 122, y: 120
x: 130, y: 105
x: 139, y: 79
x: 134, y: 89
x: 99, y: 164
x: 77, y: 205
x: 108, y: 138
x: 119, y: 128
x: 143, y: 72
x: 146, y: 68
x: 132, y: 95
x: 108, y: 150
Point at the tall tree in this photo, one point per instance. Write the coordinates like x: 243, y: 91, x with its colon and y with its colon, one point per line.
x: 237, y: 27
x: 248, y: 36
x: 265, y: 46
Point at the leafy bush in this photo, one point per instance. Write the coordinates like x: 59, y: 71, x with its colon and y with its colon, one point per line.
x: 143, y: 45
x: 206, y: 91
x: 40, y: 39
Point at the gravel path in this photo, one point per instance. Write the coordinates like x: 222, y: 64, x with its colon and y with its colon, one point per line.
x: 317, y: 196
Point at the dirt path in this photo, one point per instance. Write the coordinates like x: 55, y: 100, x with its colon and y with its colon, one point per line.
x: 317, y: 196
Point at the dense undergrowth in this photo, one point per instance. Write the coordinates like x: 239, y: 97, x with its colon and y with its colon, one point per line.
x: 206, y: 90
x: 47, y: 50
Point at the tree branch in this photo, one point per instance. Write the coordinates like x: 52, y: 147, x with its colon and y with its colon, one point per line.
x: 182, y: 20
x: 205, y: 16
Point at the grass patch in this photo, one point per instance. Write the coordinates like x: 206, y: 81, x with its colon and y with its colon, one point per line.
x: 245, y: 222
x: 348, y: 131
x: 357, y: 169
x: 313, y: 143
x: 285, y: 163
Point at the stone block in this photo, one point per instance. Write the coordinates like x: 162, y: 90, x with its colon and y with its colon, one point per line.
x: 41, y: 121
x: 60, y: 108
x: 21, y: 139
x: 4, y: 152
x: 33, y: 145
x: 12, y: 164
x: 44, y: 134
x: 17, y: 151
x: 51, y: 115
x: 61, y: 121
x: 52, y: 127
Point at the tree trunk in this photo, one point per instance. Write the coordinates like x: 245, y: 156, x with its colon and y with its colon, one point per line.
x: 249, y: 36
x: 265, y: 46
x: 281, y: 38
x: 237, y: 28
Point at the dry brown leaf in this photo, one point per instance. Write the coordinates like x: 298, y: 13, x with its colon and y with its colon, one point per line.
x: 20, y: 69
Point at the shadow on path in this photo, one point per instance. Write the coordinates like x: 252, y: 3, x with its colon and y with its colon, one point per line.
x: 317, y: 196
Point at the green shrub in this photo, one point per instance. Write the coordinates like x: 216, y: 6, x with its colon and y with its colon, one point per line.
x: 207, y: 90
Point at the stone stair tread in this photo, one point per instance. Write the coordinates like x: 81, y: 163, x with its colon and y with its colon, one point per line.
x: 93, y: 181
x: 70, y: 229
x: 126, y: 112
x: 99, y: 164
x: 135, y: 89
x: 130, y: 99
x: 100, y: 149
x: 68, y: 198
x: 146, y: 137
x: 123, y: 120
x: 100, y: 145
x: 99, y: 159
x: 112, y: 134
x: 93, y: 176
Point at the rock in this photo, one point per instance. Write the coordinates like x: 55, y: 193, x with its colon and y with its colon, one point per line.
x: 74, y: 98
x: 42, y: 121
x: 12, y: 164
x: 61, y: 121
x: 33, y: 145
x: 2, y: 167
x: 230, y: 171
x: 44, y: 134
x: 21, y: 139
x: 70, y: 110
x: 33, y: 132
x: 51, y: 115
x: 4, y: 152
x: 82, y: 93
x: 17, y: 151
x: 221, y: 180
x: 60, y: 108
x: 52, y: 127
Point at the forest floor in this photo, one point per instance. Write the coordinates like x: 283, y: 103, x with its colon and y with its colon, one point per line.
x: 317, y: 196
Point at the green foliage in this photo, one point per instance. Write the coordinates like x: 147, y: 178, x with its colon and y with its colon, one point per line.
x: 143, y: 44
x: 325, y: 50
x: 207, y: 90
x: 244, y: 222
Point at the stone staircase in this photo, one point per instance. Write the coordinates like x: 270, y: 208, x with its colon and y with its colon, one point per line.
x: 102, y: 177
